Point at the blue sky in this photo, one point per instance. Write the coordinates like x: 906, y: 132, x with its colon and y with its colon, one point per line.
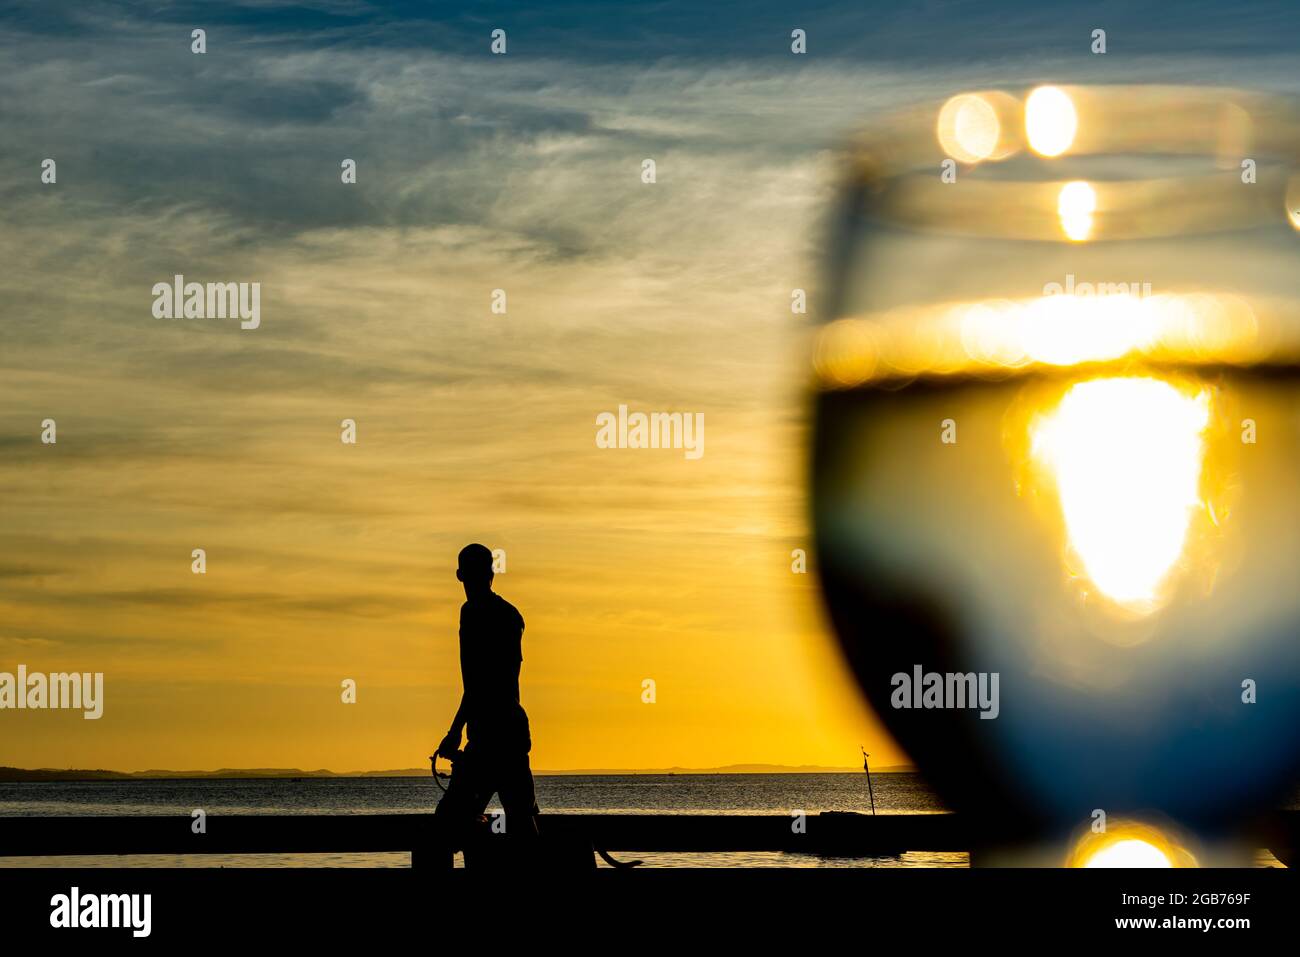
x: 927, y: 32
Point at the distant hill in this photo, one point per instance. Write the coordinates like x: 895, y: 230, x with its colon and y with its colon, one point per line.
x: 81, y: 774
x: 742, y: 769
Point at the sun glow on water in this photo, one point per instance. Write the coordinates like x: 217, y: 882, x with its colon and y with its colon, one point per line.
x: 1126, y: 455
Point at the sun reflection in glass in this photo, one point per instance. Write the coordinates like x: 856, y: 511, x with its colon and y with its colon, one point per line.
x: 1075, y: 205
x: 968, y: 128
x: 1129, y: 853
x: 1050, y: 121
x: 1127, y: 843
x: 1126, y: 456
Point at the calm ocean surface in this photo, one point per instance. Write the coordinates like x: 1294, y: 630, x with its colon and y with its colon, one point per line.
x: 661, y: 793
x: 609, y: 794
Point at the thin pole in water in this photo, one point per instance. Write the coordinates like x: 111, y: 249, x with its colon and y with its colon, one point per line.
x: 867, y: 768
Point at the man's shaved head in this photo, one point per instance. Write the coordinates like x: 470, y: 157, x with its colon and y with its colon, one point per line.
x: 474, y: 564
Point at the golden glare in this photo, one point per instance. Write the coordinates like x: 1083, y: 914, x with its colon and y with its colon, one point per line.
x: 845, y: 353
x: 968, y: 128
x: 1050, y: 121
x: 1131, y: 852
x: 1075, y: 205
x: 1066, y: 329
x: 1126, y: 456
x: 1129, y: 844
x: 1090, y: 323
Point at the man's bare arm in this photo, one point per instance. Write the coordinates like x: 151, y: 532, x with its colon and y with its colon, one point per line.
x: 451, y: 742
x: 458, y: 722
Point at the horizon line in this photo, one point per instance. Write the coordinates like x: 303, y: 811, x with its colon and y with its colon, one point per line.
x: 271, y: 772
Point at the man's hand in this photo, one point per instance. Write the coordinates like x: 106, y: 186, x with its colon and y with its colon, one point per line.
x: 450, y: 745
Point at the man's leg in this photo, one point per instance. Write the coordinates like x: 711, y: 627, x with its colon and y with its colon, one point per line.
x: 518, y: 797
x: 527, y: 847
x: 457, y: 812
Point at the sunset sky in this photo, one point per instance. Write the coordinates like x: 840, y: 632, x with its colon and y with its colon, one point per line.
x: 474, y: 172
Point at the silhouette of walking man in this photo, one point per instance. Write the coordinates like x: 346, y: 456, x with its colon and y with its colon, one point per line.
x: 495, y: 759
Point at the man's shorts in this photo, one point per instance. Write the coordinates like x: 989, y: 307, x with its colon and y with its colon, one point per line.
x: 476, y: 776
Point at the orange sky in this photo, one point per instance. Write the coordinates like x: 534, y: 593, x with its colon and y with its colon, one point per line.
x: 328, y: 561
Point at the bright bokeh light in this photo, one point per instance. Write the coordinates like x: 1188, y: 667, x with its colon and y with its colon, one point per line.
x: 1050, y: 121
x: 1067, y: 329
x: 846, y: 353
x: 968, y: 128
x: 1075, y: 205
x: 1094, y: 322
x: 1129, y: 853
x: 1126, y: 456
x: 1130, y: 844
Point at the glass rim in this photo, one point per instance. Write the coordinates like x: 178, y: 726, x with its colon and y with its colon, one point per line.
x: 894, y: 172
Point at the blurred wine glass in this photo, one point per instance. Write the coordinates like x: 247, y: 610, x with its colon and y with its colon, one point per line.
x: 1057, y: 440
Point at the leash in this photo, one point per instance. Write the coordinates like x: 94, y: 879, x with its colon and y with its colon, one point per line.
x: 438, y: 777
